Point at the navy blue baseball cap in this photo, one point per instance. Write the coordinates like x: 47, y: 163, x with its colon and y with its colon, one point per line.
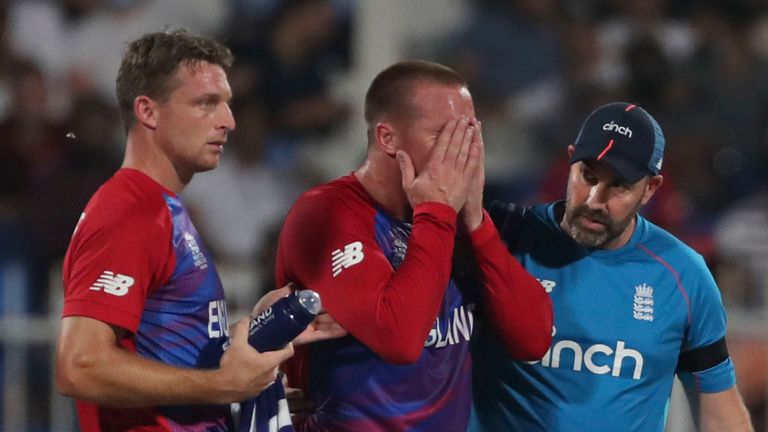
x: 626, y: 137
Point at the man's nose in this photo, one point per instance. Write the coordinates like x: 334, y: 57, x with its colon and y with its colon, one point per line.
x: 226, y: 119
x: 598, y: 195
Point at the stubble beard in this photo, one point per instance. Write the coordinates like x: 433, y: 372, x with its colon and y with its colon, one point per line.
x: 590, y: 238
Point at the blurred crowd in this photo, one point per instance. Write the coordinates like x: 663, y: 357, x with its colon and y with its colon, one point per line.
x: 536, y: 69
x: 62, y: 136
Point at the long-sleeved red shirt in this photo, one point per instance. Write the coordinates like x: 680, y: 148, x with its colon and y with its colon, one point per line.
x: 408, y: 308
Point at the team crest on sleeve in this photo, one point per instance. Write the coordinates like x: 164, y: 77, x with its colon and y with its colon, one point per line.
x: 643, y: 303
x: 111, y: 283
x: 349, y: 256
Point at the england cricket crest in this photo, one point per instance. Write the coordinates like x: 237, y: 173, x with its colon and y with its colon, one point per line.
x: 643, y: 303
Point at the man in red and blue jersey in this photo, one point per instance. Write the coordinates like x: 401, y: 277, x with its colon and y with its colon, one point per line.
x: 144, y: 327
x: 378, y: 245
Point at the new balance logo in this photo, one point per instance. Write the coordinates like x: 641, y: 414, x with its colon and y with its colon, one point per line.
x: 616, y: 128
x: 111, y: 283
x: 351, y: 255
x: 547, y: 284
x: 642, y: 308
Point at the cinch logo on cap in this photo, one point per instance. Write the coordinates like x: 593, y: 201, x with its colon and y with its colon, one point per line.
x: 620, y: 129
x: 623, y: 135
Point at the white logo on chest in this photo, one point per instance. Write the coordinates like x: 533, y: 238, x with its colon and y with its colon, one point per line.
x: 458, y: 329
x: 198, y: 257
x: 218, y: 326
x: 599, y: 359
x: 642, y: 303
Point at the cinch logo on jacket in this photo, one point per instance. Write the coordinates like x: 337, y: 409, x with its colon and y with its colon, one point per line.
x: 586, y: 356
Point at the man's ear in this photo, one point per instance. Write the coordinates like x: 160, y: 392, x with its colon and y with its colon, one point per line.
x: 145, y: 111
x: 571, y: 149
x: 385, y: 138
x: 653, y: 184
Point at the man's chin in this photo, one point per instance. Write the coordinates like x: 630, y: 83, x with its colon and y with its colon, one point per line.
x: 589, y: 238
x: 209, y: 165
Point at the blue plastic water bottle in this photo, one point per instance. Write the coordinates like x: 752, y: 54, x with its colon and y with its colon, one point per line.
x: 284, y: 320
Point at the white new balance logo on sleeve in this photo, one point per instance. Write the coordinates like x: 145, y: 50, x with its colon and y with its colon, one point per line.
x: 111, y: 283
x: 351, y: 255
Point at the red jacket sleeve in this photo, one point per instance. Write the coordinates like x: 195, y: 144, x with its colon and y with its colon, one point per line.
x: 517, y: 305
x: 329, y: 244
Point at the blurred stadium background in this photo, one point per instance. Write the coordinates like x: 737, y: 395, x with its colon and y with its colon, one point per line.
x: 536, y: 69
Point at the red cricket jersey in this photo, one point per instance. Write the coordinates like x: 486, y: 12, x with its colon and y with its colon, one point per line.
x: 409, y: 310
x: 136, y: 261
